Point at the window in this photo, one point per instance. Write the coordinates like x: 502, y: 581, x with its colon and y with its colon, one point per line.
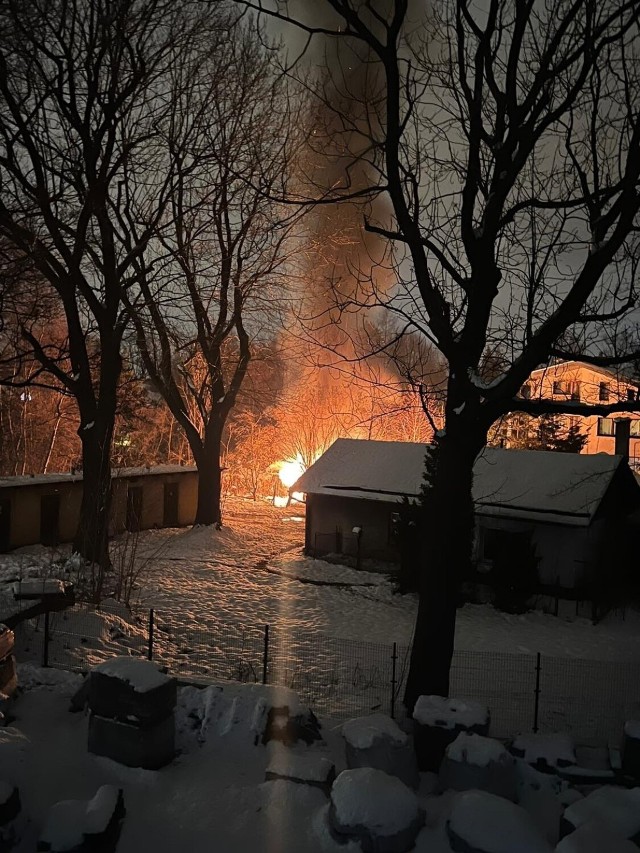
x: 631, y: 393
x: 635, y: 428
x: 574, y: 390
x: 605, y: 426
x: 603, y: 394
x: 560, y: 387
x: 526, y: 392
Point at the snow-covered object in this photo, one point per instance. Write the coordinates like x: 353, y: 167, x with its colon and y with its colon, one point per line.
x: 306, y: 768
x: 70, y: 823
x: 545, y: 810
x: 150, y: 746
x: 378, y: 741
x: 445, y: 713
x: 617, y: 808
x: 438, y: 721
x: 476, y: 762
x: 483, y: 823
x: 545, y: 752
x: 141, y: 675
x: 595, y: 837
x: 376, y: 809
x: 38, y: 587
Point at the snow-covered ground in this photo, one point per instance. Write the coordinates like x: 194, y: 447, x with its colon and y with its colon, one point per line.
x: 331, y: 627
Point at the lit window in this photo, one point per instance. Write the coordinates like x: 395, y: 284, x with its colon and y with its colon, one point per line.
x: 605, y: 426
x: 631, y: 393
x: 635, y: 429
x: 603, y: 395
x: 560, y: 387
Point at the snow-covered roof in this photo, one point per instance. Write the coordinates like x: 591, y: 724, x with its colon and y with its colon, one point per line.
x: 119, y: 474
x: 527, y: 484
x: 562, y: 366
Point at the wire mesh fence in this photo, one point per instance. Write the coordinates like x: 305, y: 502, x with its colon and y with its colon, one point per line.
x: 344, y: 678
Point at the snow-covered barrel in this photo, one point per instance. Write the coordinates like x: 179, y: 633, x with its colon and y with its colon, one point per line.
x: 476, y: 762
x: 438, y: 721
x: 374, y: 809
x: 631, y: 749
x: 595, y: 837
x: 378, y: 741
x: 546, y: 752
x: 483, y: 823
x: 616, y: 808
x: 132, y: 713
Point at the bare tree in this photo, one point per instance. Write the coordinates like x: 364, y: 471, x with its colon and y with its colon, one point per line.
x: 216, y: 290
x: 506, y: 137
x: 85, y: 98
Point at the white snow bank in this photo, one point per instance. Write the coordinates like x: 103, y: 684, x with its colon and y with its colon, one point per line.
x: 69, y: 820
x: 361, y: 732
x: 449, y: 713
x: 617, y: 808
x: 476, y: 749
x: 494, y: 825
x: 142, y: 675
x: 555, y: 750
x: 31, y: 676
x: 595, y: 837
x: 373, y: 799
x: 308, y: 766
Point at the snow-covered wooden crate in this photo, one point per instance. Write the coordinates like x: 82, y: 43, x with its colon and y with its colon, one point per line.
x: 631, y: 749
x: 307, y: 767
x: 149, y: 746
x: 438, y: 721
x: 483, y: 823
x: 476, y: 762
x: 616, y: 808
x: 545, y: 752
x: 378, y: 741
x: 377, y: 810
x: 81, y: 826
x: 127, y: 688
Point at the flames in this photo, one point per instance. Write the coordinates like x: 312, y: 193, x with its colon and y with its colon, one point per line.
x: 291, y: 470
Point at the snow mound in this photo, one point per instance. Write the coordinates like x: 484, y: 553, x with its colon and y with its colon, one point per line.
x: 595, y: 837
x: 478, y: 750
x: 370, y: 798
x: 617, y: 808
x: 307, y: 766
x: 483, y: 823
x: 632, y: 729
x: 447, y: 713
x: 362, y: 732
x: 31, y: 677
x: 70, y: 820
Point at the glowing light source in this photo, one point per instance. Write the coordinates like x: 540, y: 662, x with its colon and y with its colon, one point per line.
x: 290, y: 470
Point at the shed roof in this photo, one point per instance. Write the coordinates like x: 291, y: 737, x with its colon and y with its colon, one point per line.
x: 119, y: 474
x: 530, y: 484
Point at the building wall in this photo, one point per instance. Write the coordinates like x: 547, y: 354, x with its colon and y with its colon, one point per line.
x: 330, y: 523
x: 567, y: 556
x: 588, y: 385
x: 26, y: 504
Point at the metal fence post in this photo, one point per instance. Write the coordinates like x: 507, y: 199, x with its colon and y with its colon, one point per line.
x: 536, y: 707
x: 45, y: 645
x: 394, y: 658
x: 265, y: 654
x: 151, y: 623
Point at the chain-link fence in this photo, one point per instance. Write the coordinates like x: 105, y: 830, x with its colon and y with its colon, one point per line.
x: 344, y: 678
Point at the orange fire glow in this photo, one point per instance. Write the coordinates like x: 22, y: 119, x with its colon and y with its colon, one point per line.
x: 290, y: 470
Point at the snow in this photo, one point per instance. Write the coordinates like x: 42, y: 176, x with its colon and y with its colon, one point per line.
x: 90, y: 425
x: 459, y: 409
x: 361, y: 732
x: 476, y: 749
x: 307, y: 765
x: 38, y: 586
x: 142, y: 675
x: 565, y: 487
x: 373, y: 799
x: 632, y: 729
x: 69, y: 820
x: 554, y: 749
x: 449, y: 713
x: 595, y: 837
x: 618, y: 808
x: 494, y: 825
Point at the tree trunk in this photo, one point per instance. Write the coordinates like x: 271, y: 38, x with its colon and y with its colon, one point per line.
x: 447, y: 540
x: 91, y: 540
x: 209, y: 510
